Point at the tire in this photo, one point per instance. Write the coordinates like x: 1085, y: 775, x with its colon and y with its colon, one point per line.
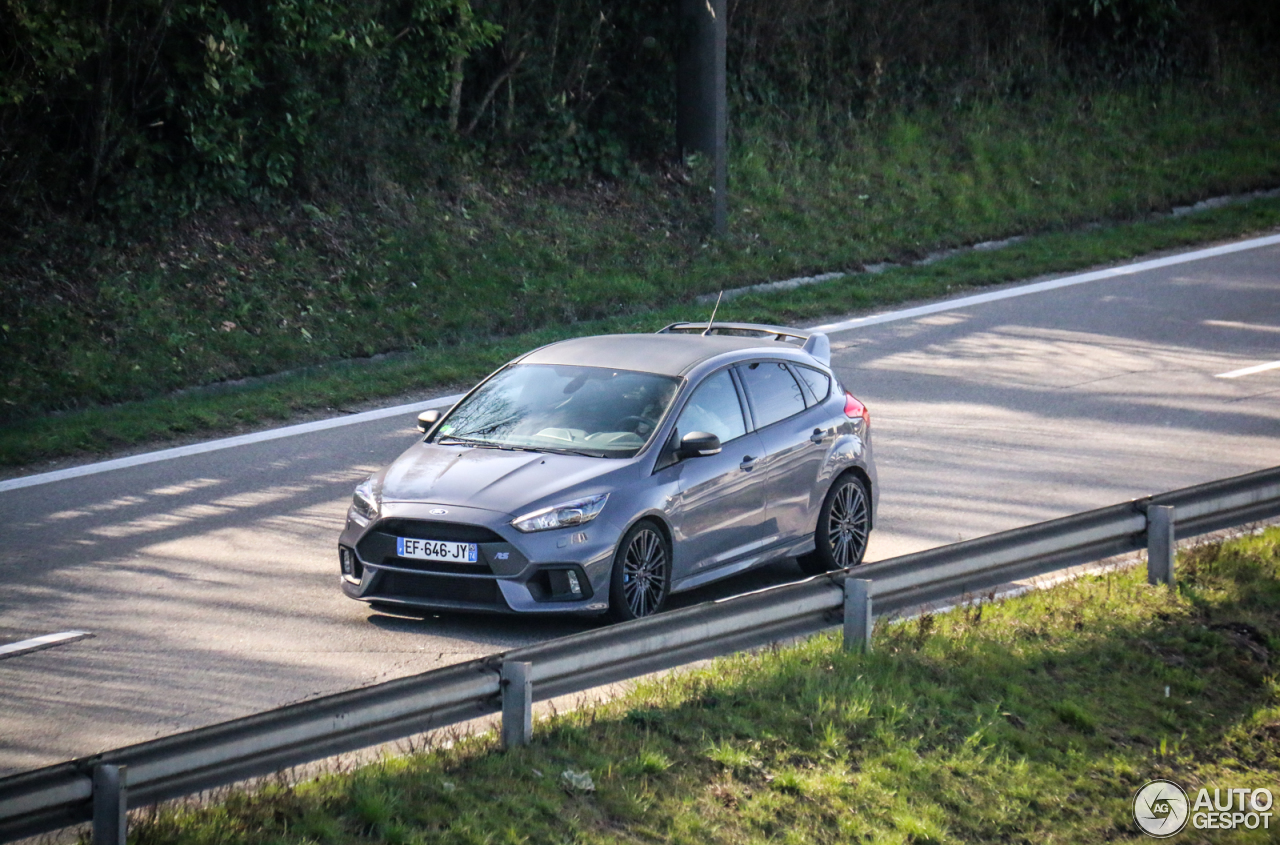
x: 641, y: 579
x: 844, y: 523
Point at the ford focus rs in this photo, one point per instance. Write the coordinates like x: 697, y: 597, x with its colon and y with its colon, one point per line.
x: 603, y: 474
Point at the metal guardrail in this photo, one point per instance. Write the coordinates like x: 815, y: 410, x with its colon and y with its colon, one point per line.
x: 47, y: 799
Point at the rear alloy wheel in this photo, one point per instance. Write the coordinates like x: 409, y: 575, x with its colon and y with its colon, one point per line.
x: 641, y: 573
x: 843, y: 525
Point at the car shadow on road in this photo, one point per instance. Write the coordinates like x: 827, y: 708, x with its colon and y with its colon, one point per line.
x: 486, y: 627
x: 502, y: 626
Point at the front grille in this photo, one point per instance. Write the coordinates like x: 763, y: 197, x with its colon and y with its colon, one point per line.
x: 454, y: 532
x: 467, y: 590
x: 379, y: 545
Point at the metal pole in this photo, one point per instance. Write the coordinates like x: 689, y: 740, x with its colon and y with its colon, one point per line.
x: 517, y: 704
x: 702, y: 104
x: 1160, y: 545
x: 858, y: 618
x: 720, y: 83
x: 110, y: 819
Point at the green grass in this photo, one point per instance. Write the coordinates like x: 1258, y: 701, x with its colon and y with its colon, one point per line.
x: 96, y: 317
x: 99, y: 429
x: 463, y: 271
x: 1032, y: 719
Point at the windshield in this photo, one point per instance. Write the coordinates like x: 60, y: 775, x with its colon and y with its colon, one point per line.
x: 578, y: 410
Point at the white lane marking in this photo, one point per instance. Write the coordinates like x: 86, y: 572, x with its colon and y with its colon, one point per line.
x: 1232, y: 324
x: 224, y: 443
x: 354, y: 419
x: 37, y: 643
x: 1052, y: 284
x: 1248, y: 371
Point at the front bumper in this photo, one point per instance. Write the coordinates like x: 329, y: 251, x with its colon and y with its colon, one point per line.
x: 514, y: 573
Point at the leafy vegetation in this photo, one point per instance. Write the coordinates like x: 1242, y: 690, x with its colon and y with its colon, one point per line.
x: 133, y: 108
x: 136, y: 107
x: 249, y: 293
x: 1032, y: 719
x: 195, y: 192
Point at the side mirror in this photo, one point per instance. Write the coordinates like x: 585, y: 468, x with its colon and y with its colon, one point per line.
x: 427, y: 419
x: 698, y: 444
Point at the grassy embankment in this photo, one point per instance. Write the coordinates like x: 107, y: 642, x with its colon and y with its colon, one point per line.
x: 1032, y: 719
x: 468, y: 271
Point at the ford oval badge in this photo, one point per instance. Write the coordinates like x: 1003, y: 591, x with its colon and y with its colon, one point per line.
x: 438, y: 511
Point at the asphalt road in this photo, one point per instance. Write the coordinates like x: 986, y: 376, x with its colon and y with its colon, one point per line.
x: 210, y: 581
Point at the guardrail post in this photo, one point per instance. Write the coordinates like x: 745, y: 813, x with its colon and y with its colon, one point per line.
x: 517, y: 704
x: 857, y: 614
x: 1160, y: 545
x: 109, y: 805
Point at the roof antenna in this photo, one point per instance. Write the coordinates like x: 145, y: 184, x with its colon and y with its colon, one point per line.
x: 707, y: 331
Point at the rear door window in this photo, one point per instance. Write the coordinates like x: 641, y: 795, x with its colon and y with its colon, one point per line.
x: 774, y: 392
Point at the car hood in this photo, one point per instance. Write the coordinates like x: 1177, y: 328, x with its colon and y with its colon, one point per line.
x: 494, y: 479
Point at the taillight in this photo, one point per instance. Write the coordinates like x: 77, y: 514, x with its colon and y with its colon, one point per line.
x: 854, y: 409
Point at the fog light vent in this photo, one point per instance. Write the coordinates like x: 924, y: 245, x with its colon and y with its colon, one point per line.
x: 566, y: 582
x: 351, y: 566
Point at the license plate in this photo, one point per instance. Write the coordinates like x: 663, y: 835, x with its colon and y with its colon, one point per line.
x: 435, y: 550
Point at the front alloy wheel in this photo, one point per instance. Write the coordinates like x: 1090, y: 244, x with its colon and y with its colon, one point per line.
x: 641, y: 573
x: 843, y: 525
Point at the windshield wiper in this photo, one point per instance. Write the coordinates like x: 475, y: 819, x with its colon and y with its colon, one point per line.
x: 450, y: 439
x: 556, y: 450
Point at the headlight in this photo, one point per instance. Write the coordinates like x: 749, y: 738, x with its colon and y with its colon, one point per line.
x: 577, y: 512
x: 365, y: 501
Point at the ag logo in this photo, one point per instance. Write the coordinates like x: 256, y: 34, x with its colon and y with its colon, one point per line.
x: 1160, y: 808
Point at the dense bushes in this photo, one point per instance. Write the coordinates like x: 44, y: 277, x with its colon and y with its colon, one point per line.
x: 841, y: 57
x: 126, y: 102
x: 200, y: 190
x: 855, y: 57
x: 139, y: 105
x: 575, y: 86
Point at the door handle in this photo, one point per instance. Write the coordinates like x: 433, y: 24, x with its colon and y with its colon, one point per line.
x: 818, y: 435
x: 748, y: 463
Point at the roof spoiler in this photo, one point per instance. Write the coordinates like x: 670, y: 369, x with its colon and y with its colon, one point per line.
x: 819, y: 347
x: 815, y: 343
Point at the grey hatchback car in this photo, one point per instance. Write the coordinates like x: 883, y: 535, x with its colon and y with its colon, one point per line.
x: 605, y: 473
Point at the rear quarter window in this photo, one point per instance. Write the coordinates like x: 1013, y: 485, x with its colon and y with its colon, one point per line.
x: 819, y: 382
